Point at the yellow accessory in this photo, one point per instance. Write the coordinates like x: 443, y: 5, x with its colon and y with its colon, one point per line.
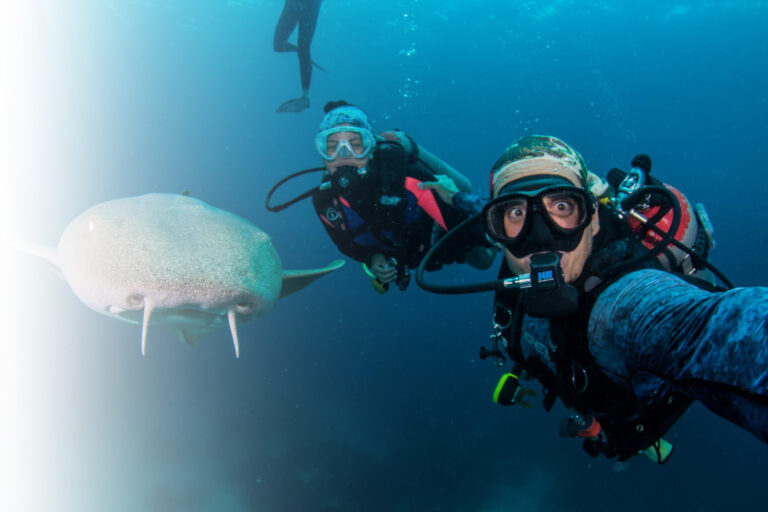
x: 377, y: 285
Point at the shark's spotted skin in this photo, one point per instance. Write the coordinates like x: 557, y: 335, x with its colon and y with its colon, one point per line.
x: 176, y: 261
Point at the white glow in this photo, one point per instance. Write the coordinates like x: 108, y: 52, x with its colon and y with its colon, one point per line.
x: 38, y: 90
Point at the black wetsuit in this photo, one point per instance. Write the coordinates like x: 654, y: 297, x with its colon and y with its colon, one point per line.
x: 394, y: 217
x: 304, y: 14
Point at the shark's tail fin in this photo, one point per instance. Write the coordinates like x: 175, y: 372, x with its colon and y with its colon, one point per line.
x: 49, y: 254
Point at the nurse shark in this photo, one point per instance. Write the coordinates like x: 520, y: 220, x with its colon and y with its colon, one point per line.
x: 175, y: 261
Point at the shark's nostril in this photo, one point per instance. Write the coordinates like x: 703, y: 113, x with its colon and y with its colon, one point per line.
x: 134, y: 300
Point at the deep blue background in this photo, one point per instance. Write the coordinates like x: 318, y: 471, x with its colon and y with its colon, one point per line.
x: 343, y: 399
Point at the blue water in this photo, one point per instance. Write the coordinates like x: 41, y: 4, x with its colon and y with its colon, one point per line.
x: 342, y: 399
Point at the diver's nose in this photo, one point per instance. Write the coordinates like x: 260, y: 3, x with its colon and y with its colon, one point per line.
x: 539, y: 235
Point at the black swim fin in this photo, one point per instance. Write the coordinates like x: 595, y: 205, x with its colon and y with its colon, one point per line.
x: 294, y: 105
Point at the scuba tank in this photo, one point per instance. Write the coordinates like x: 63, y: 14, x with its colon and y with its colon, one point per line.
x: 680, y: 235
x: 686, y: 231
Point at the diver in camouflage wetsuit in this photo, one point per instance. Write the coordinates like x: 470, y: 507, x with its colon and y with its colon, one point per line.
x: 624, y: 343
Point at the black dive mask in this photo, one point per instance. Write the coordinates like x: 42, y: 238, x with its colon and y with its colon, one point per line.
x: 546, y: 219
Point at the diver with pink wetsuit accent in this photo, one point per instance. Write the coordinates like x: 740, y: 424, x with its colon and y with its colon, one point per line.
x: 384, y: 200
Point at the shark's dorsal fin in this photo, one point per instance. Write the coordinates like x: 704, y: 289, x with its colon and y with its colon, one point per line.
x: 295, y: 280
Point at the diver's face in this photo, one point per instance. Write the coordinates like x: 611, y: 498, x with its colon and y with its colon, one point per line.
x: 356, y: 141
x: 572, y: 262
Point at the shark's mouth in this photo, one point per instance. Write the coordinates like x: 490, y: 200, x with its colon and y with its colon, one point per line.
x: 190, y: 320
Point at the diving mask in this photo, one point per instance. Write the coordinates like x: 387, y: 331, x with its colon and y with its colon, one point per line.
x: 344, y: 141
x: 534, y: 215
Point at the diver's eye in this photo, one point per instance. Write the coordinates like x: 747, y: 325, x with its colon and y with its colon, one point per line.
x: 563, y: 208
x: 356, y: 143
x: 515, y: 212
x: 514, y: 218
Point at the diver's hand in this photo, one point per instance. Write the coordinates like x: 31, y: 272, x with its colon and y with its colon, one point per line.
x: 382, y: 268
x: 443, y: 186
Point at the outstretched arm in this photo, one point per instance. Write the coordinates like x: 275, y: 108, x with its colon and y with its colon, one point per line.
x: 711, y: 346
x: 440, y: 167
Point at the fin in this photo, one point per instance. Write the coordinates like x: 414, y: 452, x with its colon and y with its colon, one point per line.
x: 145, y: 323
x: 233, y: 328
x: 294, y: 105
x: 318, y: 66
x: 295, y: 280
x: 190, y: 336
x: 49, y: 254
x: 185, y: 193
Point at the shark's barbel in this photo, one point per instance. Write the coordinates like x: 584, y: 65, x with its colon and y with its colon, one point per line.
x: 172, y: 260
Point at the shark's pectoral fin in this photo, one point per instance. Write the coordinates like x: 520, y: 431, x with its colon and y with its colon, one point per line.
x: 190, y: 336
x: 295, y: 280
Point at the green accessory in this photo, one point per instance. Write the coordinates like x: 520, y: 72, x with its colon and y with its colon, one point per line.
x: 510, y: 392
x: 377, y: 285
x: 659, y: 451
x: 368, y: 271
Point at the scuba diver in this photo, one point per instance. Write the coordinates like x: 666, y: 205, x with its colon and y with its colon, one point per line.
x: 606, y: 298
x: 304, y: 14
x: 384, y: 200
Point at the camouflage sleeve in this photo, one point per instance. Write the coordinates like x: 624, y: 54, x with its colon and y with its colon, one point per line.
x: 468, y: 203
x: 650, y: 326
